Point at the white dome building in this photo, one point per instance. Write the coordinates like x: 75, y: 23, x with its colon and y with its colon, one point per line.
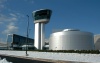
x: 71, y: 39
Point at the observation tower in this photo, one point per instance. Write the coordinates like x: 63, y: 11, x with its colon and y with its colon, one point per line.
x: 41, y: 17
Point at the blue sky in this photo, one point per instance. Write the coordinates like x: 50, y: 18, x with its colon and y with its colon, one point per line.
x: 78, y: 14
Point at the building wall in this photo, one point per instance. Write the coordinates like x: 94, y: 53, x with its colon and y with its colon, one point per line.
x: 97, y: 42
x: 17, y: 41
x: 71, y: 40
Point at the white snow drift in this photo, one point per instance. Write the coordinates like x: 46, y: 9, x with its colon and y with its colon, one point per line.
x: 93, y: 58
x: 4, y: 61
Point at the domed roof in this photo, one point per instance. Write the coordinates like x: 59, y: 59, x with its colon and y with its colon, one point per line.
x: 71, y: 30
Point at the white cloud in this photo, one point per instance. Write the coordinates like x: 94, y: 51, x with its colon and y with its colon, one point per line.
x: 7, y: 18
x: 2, y: 6
x: 2, y: 1
x: 11, y: 28
x: 13, y: 15
x: 9, y: 22
x: 10, y: 17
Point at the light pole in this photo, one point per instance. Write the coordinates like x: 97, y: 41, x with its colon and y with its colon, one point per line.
x: 27, y: 35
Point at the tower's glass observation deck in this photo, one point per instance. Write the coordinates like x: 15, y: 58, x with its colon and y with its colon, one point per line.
x: 42, y: 15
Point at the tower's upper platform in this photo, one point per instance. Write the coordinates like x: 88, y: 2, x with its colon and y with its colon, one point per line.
x: 42, y: 15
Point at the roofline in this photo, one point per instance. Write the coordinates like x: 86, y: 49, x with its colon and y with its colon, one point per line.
x: 40, y: 10
x: 96, y: 34
x: 21, y: 36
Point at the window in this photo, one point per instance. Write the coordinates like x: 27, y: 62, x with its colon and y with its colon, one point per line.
x: 44, y: 14
x: 16, y: 39
x: 9, y: 39
x: 22, y: 40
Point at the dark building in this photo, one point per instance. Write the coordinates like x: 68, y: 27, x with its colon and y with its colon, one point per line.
x: 15, y: 41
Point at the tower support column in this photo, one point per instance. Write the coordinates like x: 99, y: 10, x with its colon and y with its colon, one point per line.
x: 37, y: 36
x: 42, y: 35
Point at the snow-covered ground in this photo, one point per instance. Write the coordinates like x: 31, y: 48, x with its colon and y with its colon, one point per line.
x: 4, y: 60
x: 93, y: 58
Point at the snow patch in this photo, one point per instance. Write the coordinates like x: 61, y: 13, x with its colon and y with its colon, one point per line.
x: 90, y: 58
x: 4, y: 60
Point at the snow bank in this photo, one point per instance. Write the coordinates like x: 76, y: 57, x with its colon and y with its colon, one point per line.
x: 4, y: 61
x: 93, y: 58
